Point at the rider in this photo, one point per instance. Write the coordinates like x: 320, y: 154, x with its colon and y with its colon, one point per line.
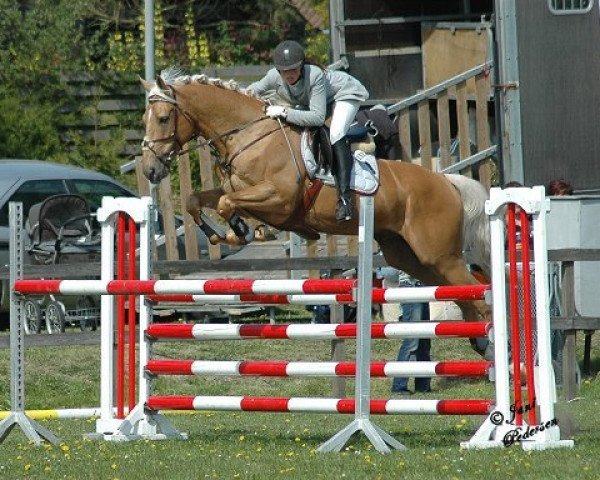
x: 311, y: 91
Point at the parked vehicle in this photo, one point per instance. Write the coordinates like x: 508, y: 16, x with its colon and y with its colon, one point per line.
x: 33, y: 181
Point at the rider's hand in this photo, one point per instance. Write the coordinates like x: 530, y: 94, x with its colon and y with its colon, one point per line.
x: 276, y: 111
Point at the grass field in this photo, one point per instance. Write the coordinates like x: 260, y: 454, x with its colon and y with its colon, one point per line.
x: 258, y: 446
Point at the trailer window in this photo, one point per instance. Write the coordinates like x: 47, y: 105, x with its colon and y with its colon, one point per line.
x: 569, y: 7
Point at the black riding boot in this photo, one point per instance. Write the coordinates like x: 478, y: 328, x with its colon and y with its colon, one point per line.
x: 344, y: 159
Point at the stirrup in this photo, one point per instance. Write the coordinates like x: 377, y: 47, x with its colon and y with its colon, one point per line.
x: 343, y: 211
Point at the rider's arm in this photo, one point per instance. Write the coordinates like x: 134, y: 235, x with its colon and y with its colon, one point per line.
x: 317, y: 106
x: 269, y: 82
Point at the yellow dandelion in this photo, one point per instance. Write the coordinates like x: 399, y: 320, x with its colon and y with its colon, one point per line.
x: 114, y: 466
x: 242, y: 438
x: 28, y: 467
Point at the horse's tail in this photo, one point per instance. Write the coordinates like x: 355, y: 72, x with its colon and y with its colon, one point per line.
x: 476, y: 227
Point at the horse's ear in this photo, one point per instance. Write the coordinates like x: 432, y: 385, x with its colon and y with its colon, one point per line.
x: 161, y: 83
x: 147, y: 85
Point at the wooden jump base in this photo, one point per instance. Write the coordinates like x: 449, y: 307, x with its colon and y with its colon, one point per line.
x: 144, y: 421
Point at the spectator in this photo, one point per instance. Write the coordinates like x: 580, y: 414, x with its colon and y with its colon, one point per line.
x: 559, y: 188
x: 411, y: 349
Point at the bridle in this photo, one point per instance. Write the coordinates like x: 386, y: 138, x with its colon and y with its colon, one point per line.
x: 149, y: 144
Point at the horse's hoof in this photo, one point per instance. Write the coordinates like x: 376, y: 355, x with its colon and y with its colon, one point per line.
x: 233, y: 239
x: 264, y: 233
x: 214, y: 239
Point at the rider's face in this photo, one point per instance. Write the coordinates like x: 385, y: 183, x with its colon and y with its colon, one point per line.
x: 291, y: 76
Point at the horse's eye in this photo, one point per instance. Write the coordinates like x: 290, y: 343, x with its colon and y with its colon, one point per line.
x: 163, y: 120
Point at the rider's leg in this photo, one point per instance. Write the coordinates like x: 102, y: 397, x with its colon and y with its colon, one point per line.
x: 343, y: 116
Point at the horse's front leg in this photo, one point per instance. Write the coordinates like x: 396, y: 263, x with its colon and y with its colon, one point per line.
x: 262, y: 198
x: 209, y: 198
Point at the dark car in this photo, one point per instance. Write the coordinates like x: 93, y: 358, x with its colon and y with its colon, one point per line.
x: 32, y: 181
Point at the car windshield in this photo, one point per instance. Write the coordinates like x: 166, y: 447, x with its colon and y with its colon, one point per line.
x: 30, y: 193
x: 94, y: 190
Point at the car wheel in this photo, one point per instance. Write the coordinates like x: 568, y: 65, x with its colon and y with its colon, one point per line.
x: 86, y: 310
x: 55, y: 317
x: 32, y: 317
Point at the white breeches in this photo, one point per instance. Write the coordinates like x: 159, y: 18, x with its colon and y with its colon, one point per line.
x: 343, y: 116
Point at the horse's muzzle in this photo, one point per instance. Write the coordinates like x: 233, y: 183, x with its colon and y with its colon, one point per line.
x: 156, y: 167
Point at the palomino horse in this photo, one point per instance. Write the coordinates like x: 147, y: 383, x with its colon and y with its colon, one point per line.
x: 427, y: 224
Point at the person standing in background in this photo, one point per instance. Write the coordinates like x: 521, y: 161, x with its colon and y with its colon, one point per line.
x: 557, y: 188
x: 411, y: 349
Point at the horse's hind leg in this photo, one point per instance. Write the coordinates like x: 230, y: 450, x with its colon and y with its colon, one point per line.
x: 453, y: 271
x: 446, y: 270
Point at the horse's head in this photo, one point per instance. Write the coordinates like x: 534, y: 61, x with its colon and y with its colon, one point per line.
x: 168, y: 128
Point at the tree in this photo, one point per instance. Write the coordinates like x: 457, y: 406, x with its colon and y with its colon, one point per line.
x: 46, y: 44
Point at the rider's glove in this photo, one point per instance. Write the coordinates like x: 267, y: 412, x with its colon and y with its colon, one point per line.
x: 276, y: 111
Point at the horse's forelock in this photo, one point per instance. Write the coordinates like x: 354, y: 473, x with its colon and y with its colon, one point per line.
x: 156, y: 93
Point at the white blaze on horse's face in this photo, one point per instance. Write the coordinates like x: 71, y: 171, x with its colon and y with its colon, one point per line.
x: 160, y: 145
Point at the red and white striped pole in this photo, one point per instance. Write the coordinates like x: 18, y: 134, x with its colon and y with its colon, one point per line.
x: 337, y: 291
x: 317, y: 331
x: 316, y: 369
x: 320, y: 405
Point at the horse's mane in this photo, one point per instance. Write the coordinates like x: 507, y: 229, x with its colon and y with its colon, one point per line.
x: 175, y: 76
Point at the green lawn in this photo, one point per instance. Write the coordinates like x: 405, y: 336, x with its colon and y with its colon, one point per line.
x: 249, y: 445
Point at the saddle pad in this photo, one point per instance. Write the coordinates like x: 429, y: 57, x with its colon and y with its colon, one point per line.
x: 365, y: 171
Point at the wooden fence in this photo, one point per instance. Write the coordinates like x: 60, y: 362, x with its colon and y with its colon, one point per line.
x: 467, y: 162
x: 112, y: 108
